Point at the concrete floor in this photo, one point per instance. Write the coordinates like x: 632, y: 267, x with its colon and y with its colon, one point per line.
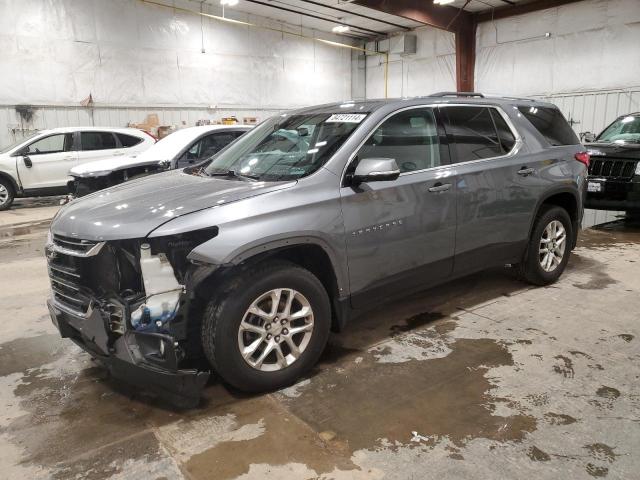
x: 481, y: 378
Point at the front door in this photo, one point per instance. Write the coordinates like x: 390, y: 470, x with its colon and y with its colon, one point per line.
x: 45, y: 163
x: 400, y: 234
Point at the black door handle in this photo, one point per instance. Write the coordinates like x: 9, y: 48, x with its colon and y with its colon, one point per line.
x: 440, y: 187
x: 526, y: 171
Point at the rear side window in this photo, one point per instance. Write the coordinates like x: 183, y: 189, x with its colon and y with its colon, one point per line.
x: 474, y: 133
x: 409, y: 137
x: 97, y: 140
x: 128, y: 140
x: 551, y: 124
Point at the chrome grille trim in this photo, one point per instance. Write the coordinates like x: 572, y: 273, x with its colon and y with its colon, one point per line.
x: 75, y: 247
x: 612, y: 168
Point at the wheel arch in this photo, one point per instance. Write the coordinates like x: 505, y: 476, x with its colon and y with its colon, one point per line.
x: 565, y: 198
x: 12, y: 181
x: 311, y: 253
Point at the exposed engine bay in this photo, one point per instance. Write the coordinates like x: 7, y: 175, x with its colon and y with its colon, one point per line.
x: 128, y: 300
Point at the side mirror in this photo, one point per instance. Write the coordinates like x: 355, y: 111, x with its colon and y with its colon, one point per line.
x: 27, y: 162
x: 375, y: 170
x: 587, y: 137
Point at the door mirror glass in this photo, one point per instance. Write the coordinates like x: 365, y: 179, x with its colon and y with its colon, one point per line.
x: 27, y: 162
x: 375, y: 170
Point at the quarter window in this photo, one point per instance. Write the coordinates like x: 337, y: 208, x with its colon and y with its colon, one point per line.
x: 551, y: 124
x: 98, y: 141
x: 474, y: 133
x: 50, y: 144
x: 128, y: 140
x: 410, y: 137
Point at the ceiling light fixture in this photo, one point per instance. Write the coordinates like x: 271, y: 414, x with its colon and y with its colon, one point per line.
x: 340, y: 29
x: 229, y: 3
x: 443, y: 2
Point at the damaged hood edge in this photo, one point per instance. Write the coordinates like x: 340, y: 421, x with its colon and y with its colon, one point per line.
x: 135, y: 209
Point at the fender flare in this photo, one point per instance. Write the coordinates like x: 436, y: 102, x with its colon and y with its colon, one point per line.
x: 266, y: 245
x: 550, y: 193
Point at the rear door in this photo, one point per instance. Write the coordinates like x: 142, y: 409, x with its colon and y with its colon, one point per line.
x: 98, y: 145
x: 400, y: 234
x: 497, y: 190
x: 45, y: 162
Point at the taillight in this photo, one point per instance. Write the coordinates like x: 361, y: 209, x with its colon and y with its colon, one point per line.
x: 583, y: 157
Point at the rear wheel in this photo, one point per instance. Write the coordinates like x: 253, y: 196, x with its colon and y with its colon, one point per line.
x: 549, y: 247
x: 267, y: 326
x: 6, y: 194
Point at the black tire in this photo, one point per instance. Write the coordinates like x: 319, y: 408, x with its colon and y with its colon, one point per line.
x: 11, y: 194
x: 632, y: 214
x: 224, y: 313
x: 530, y: 270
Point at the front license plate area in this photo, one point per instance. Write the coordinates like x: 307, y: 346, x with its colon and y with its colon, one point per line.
x: 594, y: 187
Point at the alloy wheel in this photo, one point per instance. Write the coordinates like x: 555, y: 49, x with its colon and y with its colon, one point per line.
x: 4, y: 194
x: 275, y: 330
x: 552, y: 246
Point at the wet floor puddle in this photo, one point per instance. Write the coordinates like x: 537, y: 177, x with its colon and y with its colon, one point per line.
x: 441, y: 397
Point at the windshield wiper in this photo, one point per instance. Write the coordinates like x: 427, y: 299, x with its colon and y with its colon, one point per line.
x: 233, y: 174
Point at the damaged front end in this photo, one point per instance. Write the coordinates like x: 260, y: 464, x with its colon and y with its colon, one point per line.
x: 126, y: 302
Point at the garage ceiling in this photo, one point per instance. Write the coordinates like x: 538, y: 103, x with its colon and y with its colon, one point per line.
x: 484, y: 5
x: 323, y: 15
x: 364, y: 22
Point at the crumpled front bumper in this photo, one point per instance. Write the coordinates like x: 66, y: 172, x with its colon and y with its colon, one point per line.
x: 144, y: 360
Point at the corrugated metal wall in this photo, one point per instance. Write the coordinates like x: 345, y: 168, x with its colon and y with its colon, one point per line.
x: 12, y: 128
x: 593, y: 111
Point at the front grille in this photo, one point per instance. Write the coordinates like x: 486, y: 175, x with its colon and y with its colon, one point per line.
x: 612, y: 168
x: 68, y: 292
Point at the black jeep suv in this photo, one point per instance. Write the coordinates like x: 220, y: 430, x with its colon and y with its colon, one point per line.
x: 614, y: 172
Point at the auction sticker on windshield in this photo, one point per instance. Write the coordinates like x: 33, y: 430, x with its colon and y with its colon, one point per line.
x: 346, y: 118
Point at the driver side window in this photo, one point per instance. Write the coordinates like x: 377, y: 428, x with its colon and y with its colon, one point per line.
x: 51, y: 144
x: 410, y: 137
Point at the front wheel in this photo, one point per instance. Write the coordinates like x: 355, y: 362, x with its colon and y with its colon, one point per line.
x: 549, y: 247
x: 6, y: 194
x: 267, y: 326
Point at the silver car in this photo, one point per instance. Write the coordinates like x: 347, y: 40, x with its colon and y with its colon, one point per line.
x: 245, y: 266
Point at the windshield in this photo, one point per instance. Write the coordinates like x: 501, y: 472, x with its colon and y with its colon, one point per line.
x: 623, y: 130
x: 13, y: 145
x: 286, y: 147
x: 168, y: 147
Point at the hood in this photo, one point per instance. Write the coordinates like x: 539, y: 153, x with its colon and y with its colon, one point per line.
x: 134, y: 209
x: 616, y: 150
x: 108, y: 165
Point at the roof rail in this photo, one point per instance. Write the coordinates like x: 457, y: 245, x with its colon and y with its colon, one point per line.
x: 524, y: 99
x: 457, y: 94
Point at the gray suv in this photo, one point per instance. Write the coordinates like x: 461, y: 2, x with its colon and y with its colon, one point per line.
x: 243, y: 266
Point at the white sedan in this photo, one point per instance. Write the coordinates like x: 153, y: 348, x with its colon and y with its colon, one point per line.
x: 180, y: 149
x: 38, y: 165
